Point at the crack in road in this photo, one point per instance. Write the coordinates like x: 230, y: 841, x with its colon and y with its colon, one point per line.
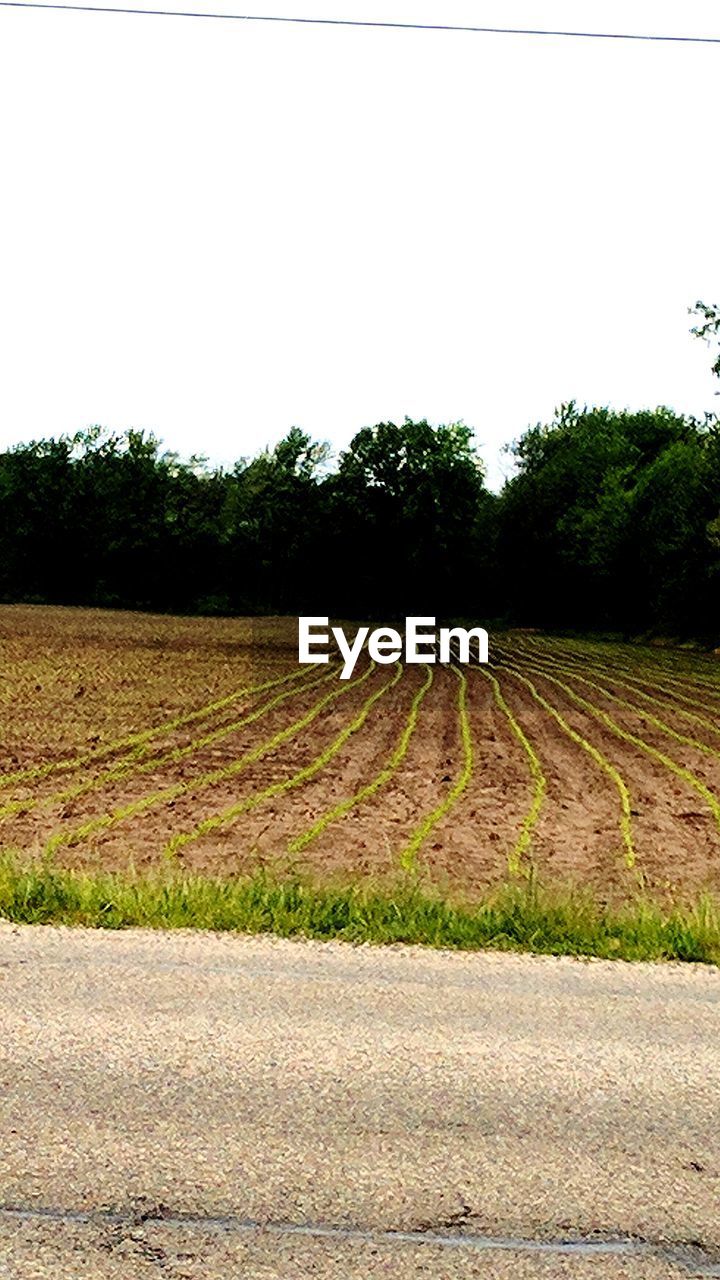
x: 691, y: 1255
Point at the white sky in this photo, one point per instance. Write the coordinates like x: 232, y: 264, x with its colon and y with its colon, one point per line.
x: 218, y: 230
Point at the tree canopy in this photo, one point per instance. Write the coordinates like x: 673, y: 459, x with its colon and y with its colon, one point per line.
x: 610, y: 520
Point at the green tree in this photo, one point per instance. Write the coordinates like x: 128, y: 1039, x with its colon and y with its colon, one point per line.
x: 274, y: 514
x: 708, y: 328
x: 409, y: 507
x: 580, y: 538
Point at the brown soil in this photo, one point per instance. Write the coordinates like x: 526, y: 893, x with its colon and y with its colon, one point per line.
x: 74, y: 681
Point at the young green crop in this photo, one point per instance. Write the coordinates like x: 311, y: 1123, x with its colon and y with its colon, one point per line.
x: 515, y: 858
x: 557, y: 662
x: 573, y: 674
x: 409, y: 855
x: 600, y: 760
x: 627, y: 660
x: 705, y: 670
x: 679, y: 770
x: 371, y: 788
x: 137, y: 740
x: 108, y: 820
x: 130, y: 766
x: 228, y: 816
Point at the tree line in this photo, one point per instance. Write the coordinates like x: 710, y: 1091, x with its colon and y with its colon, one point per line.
x: 611, y: 520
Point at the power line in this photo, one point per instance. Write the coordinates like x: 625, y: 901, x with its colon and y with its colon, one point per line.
x: 359, y: 22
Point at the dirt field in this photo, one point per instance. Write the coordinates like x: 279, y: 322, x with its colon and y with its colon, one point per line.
x: 133, y: 739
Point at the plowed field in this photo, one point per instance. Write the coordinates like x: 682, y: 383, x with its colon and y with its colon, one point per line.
x: 133, y: 739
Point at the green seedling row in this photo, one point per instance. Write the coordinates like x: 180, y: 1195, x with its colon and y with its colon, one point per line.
x: 409, y: 855
x: 134, y: 766
x: 600, y: 760
x: 675, y: 664
x: 137, y: 741
x: 229, y: 815
x: 649, y: 673
x: 679, y: 770
x: 191, y: 785
x: 646, y: 715
x: 517, y: 855
x: 371, y: 788
x: 662, y: 703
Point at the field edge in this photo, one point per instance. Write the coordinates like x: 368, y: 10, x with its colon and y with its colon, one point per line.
x: 523, y: 916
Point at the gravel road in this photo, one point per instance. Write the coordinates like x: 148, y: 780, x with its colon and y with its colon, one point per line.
x: 183, y: 1106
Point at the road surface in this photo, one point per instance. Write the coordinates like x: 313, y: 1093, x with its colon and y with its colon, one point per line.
x: 183, y: 1106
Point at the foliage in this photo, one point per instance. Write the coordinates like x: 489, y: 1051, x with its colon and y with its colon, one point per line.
x: 709, y: 327
x: 410, y: 512
x: 610, y: 521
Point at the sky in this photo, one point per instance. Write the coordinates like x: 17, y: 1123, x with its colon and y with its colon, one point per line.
x: 219, y: 230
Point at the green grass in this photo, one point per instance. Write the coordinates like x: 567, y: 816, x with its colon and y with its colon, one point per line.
x: 522, y: 917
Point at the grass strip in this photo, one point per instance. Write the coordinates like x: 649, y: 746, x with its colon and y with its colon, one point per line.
x: 107, y: 820
x: 515, y: 858
x: 224, y: 819
x: 371, y: 788
x: 408, y: 857
x: 600, y: 760
x: 518, y: 917
x: 133, y: 765
x: 138, y: 740
x: 678, y: 769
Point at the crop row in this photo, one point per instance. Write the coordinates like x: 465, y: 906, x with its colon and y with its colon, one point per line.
x: 661, y: 672
x: 519, y: 659
x: 381, y: 778
x: 680, y: 770
x: 135, y: 764
x: 625, y: 681
x: 625, y: 818
x: 517, y: 855
x: 518, y: 665
x: 229, y: 815
x: 137, y: 743
x: 191, y: 785
x: 552, y: 665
